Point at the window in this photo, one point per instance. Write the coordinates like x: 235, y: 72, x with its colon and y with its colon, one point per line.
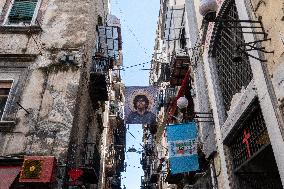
x: 5, y: 87
x: 182, y: 39
x: 232, y: 76
x: 22, y: 12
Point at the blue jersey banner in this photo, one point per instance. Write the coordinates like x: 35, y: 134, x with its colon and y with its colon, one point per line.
x: 182, y: 147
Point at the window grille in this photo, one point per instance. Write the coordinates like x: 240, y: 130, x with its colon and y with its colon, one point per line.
x: 114, y: 108
x: 259, y: 181
x: 109, y: 41
x: 170, y: 93
x: 232, y: 76
x: 253, y: 126
x: 91, y: 157
x: 5, y: 87
x: 165, y: 73
x: 22, y: 11
x: 100, y: 64
x: 174, y: 24
x: 182, y: 40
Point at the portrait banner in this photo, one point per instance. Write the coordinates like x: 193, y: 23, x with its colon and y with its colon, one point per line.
x: 182, y: 146
x: 140, y: 105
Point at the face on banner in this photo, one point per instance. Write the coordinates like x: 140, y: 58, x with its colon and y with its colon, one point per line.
x: 140, y: 106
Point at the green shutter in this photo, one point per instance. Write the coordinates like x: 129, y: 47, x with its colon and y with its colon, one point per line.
x: 22, y: 11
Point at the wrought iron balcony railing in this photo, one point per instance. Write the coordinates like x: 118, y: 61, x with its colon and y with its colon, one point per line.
x: 101, y: 64
x: 91, y: 163
x: 179, y: 67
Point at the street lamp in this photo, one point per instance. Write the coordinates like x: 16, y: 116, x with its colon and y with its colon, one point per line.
x: 208, y: 9
x: 182, y: 102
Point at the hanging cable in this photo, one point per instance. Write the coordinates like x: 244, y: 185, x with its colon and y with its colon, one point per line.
x: 130, y: 30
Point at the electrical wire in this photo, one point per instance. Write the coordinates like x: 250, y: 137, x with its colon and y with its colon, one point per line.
x: 130, y: 30
x: 135, y: 65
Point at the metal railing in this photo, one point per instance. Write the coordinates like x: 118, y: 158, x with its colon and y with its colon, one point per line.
x: 91, y: 158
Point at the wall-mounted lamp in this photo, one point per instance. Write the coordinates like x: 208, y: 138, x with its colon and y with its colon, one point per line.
x: 208, y: 9
x: 182, y: 102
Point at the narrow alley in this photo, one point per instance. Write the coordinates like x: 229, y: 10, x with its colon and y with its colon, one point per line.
x: 152, y: 94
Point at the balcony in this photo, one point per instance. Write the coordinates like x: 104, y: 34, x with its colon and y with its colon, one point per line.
x: 154, y: 174
x: 114, y: 182
x: 152, y: 128
x: 119, y: 138
x: 149, y: 149
x: 179, y: 66
x: 101, y: 64
x: 173, y: 179
x: 165, y: 73
x: 143, y: 162
x: 110, y: 42
x: 114, y: 109
x: 169, y: 96
x: 154, y: 177
x: 110, y: 161
x: 119, y: 160
x: 98, y: 88
x: 145, y: 184
x: 91, y: 164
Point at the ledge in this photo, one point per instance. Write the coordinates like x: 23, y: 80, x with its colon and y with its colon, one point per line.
x: 18, y: 57
x: 11, y: 160
x: 7, y: 126
x: 20, y: 29
x: 237, y: 112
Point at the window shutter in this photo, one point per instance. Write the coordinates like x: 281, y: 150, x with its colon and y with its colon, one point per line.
x: 5, y: 87
x: 5, y: 84
x: 22, y: 11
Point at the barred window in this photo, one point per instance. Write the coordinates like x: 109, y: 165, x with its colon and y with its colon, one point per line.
x: 254, y: 163
x: 22, y: 12
x: 251, y: 138
x: 232, y: 75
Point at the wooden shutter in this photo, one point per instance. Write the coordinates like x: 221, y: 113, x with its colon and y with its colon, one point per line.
x: 5, y: 87
x: 22, y: 11
x: 5, y: 84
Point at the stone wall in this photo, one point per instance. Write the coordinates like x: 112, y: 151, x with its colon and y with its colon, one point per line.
x: 55, y: 94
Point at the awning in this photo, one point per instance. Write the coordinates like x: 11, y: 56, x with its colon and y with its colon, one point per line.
x: 8, y: 175
x: 38, y: 169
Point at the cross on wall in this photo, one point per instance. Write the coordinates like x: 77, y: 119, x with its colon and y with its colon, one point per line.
x: 245, y: 140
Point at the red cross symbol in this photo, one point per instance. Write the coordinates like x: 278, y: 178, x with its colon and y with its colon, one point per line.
x: 245, y: 140
x: 75, y: 174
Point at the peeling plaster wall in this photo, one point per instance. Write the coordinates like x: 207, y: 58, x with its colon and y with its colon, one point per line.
x: 56, y: 95
x: 272, y: 13
x: 51, y: 131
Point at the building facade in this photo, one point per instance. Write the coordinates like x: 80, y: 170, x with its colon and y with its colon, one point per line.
x: 235, y: 50
x: 57, y: 84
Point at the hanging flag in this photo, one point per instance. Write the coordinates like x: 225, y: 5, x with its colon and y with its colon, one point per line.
x: 140, y: 105
x: 182, y: 147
